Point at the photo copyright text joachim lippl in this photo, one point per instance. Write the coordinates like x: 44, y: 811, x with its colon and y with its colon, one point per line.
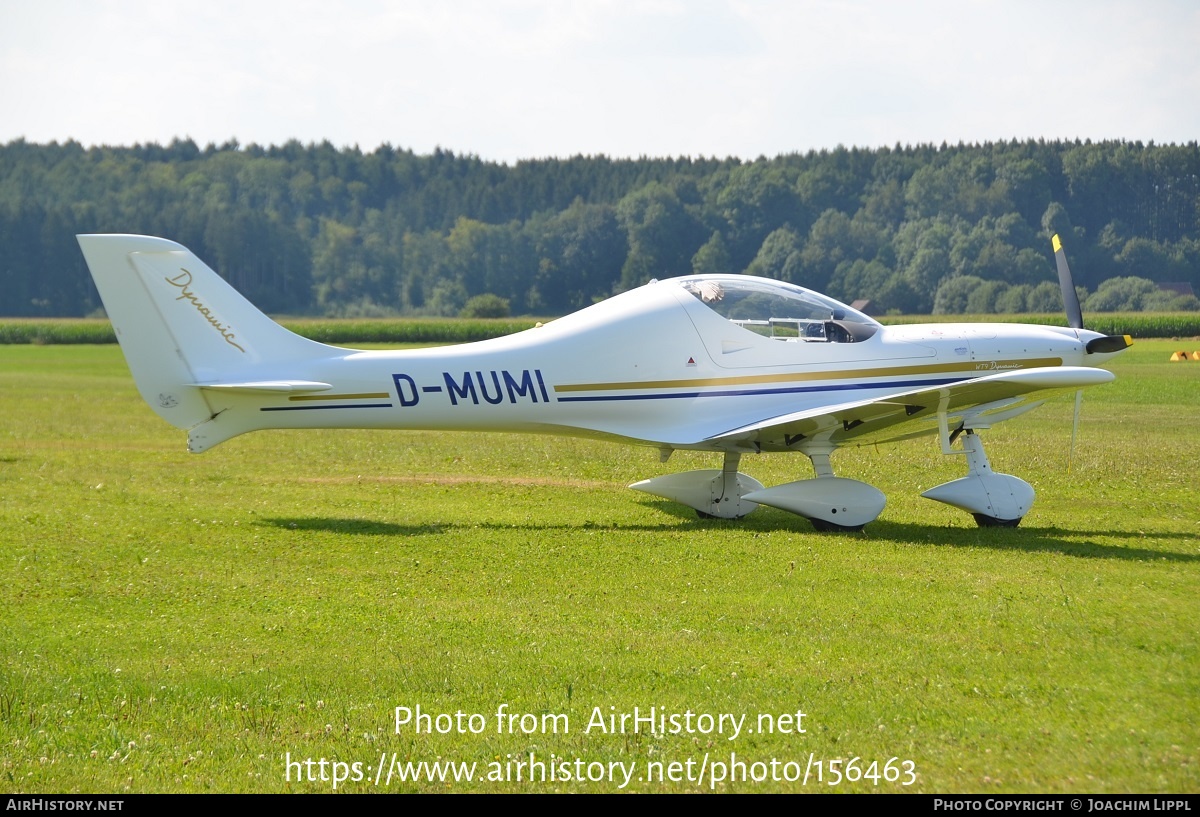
x: 719, y: 766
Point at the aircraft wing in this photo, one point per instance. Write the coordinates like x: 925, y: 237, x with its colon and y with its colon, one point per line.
x: 905, y: 414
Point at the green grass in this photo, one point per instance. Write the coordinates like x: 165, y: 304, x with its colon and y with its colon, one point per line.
x: 56, y: 330
x: 353, y: 331
x: 179, y: 623
x: 326, y: 330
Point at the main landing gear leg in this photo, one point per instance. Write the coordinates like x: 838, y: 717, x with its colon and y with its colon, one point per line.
x: 728, y: 490
x: 713, y: 494
x: 995, y: 500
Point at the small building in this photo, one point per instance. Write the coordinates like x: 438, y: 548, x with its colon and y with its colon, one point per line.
x: 1179, y: 288
x: 863, y: 305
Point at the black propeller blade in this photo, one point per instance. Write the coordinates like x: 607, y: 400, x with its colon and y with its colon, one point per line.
x: 1108, y: 344
x: 1070, y: 297
x: 1098, y: 346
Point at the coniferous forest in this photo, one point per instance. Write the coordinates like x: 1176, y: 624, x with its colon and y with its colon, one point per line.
x: 313, y: 229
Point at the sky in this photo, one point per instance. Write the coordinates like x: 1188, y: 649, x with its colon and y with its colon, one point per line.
x: 524, y: 79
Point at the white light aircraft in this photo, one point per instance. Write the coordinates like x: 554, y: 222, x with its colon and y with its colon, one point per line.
x: 732, y: 364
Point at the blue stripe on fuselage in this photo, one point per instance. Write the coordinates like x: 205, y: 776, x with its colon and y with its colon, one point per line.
x: 752, y: 392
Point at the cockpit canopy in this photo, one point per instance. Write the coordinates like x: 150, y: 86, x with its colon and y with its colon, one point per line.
x: 779, y: 310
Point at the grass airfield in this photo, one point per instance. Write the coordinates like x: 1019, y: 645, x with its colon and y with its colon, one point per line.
x: 174, y: 622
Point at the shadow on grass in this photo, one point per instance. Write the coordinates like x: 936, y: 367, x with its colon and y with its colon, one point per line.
x: 1029, y: 539
x: 1032, y: 540
x: 370, y: 527
x: 1025, y: 538
x: 359, y: 527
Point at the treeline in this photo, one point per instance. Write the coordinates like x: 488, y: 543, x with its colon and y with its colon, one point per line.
x: 313, y: 229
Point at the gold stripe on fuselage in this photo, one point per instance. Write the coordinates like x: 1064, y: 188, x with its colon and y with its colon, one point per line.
x: 372, y: 396
x: 966, y: 368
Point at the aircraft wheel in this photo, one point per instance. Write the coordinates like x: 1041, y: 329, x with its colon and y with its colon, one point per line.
x: 823, y: 526
x: 704, y: 515
x: 985, y: 521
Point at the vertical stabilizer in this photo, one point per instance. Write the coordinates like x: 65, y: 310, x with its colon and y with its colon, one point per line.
x: 181, y: 325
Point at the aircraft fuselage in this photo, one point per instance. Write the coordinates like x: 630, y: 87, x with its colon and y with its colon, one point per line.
x: 593, y: 374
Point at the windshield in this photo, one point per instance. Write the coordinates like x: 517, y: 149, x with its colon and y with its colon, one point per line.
x: 779, y: 310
